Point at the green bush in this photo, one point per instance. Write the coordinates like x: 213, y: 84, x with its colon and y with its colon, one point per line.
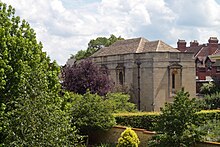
x: 212, y: 101
x: 149, y: 120
x: 212, y: 130
x: 128, y: 139
x: 178, y: 123
x: 90, y: 113
x: 119, y: 102
x: 144, y: 120
x: 36, y: 121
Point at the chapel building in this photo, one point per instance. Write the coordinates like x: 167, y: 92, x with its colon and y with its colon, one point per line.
x: 152, y: 70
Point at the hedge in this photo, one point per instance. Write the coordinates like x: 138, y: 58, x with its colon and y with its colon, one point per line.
x: 148, y: 120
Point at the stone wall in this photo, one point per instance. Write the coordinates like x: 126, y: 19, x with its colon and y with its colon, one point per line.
x: 154, y: 73
x: 112, y: 135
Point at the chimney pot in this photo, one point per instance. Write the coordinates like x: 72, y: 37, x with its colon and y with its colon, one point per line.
x: 181, y: 45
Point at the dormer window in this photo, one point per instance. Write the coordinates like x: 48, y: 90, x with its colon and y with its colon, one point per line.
x: 209, y: 65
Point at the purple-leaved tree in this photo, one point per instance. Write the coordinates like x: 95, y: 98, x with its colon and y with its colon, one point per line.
x: 84, y: 76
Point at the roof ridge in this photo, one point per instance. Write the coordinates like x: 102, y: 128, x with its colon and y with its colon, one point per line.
x: 158, y: 44
x: 138, y: 48
x: 199, y: 52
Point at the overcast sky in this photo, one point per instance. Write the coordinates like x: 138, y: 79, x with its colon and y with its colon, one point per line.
x: 66, y: 26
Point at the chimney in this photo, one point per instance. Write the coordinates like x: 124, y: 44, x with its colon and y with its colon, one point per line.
x: 194, y: 43
x: 181, y: 45
x: 212, y: 45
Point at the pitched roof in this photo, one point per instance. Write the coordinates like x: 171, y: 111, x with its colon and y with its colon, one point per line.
x: 136, y: 45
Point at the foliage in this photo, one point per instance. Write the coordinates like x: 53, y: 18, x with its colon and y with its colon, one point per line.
x: 84, y: 76
x: 212, y: 101
x: 24, y: 68
x: 119, y: 102
x: 90, y: 113
x: 149, y: 120
x: 96, y: 44
x: 178, y: 123
x: 38, y: 121
x: 209, y: 88
x: 144, y: 120
x: 212, y: 130
x: 30, y: 107
x: 128, y: 138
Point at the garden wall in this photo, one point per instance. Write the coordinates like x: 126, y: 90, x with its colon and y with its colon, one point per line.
x: 112, y: 135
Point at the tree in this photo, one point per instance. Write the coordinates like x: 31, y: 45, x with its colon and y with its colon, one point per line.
x: 178, y: 123
x: 24, y: 68
x: 86, y: 76
x: 96, y: 44
x: 89, y: 113
x: 119, y: 102
x: 37, y: 121
x: 30, y: 111
x: 212, y: 101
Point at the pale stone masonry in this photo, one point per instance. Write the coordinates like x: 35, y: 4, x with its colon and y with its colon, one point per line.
x: 152, y: 70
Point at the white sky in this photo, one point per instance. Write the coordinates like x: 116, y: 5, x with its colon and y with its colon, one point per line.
x: 66, y: 26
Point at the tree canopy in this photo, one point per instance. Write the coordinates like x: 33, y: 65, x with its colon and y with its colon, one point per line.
x: 84, y: 76
x: 178, y: 123
x: 96, y: 44
x: 30, y: 113
x: 24, y: 68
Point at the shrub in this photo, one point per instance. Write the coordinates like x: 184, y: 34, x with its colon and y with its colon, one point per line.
x: 37, y: 121
x: 90, y: 113
x: 128, y: 139
x: 212, y: 130
x: 119, y: 102
x: 178, y: 123
x: 212, y: 101
x: 144, y: 120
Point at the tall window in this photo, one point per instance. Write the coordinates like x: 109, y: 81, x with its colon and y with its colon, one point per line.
x: 174, y: 78
x: 173, y: 81
x: 120, y: 73
x: 121, y: 78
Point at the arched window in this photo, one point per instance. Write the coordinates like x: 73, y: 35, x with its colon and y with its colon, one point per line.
x: 174, y: 78
x: 120, y: 73
x: 121, y: 78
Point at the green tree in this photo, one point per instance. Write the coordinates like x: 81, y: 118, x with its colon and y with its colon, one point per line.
x: 24, y: 68
x: 90, y: 113
x: 38, y: 121
x: 30, y: 111
x: 119, y: 102
x: 212, y: 101
x: 178, y: 123
x: 96, y: 44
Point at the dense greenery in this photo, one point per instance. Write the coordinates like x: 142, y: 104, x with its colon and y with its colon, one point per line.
x: 209, y: 88
x: 38, y: 121
x: 96, y: 44
x: 89, y: 112
x: 211, y: 101
x: 24, y: 68
x: 119, y: 102
x: 212, y: 130
x: 144, y: 120
x: 128, y: 139
x: 30, y: 113
x: 84, y: 76
x: 178, y: 123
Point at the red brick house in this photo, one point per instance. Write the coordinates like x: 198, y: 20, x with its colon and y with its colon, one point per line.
x: 207, y: 69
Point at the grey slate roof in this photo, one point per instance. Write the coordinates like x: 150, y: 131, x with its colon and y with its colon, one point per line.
x: 136, y: 45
